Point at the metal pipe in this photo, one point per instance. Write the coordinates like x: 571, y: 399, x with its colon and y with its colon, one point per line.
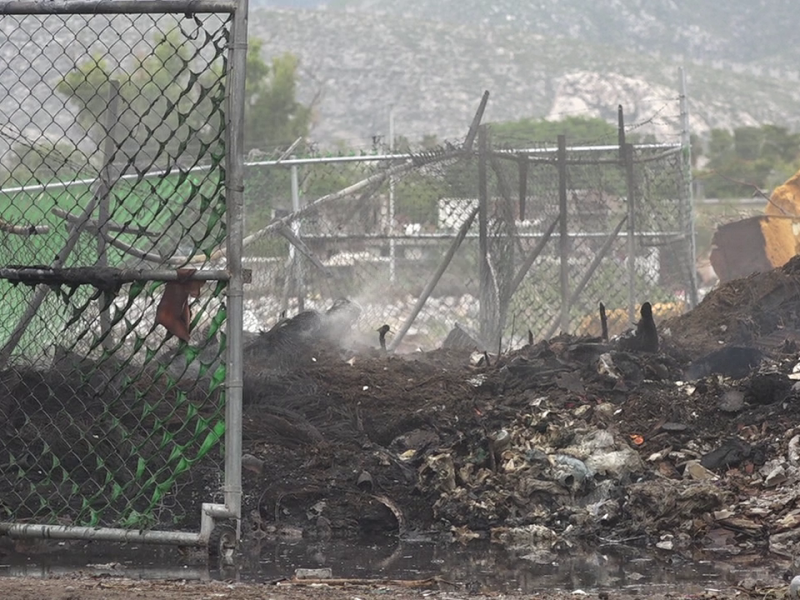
x: 410, y: 156
x: 234, y: 184
x: 563, y: 239
x: 106, y: 534
x: 392, y: 241
x: 62, y: 185
x: 104, y: 206
x: 446, y: 235
x: 631, y: 185
x: 476, y: 122
x: 484, y: 274
x: 120, y: 275
x: 297, y: 265
x: 301, y: 247
x: 67, y: 569
x: 523, y: 164
x: 462, y: 233
x: 686, y: 148
x: 114, y: 7
x: 56, y: 185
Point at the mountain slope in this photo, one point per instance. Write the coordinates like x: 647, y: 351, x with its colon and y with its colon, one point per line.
x: 434, y: 71
x: 736, y: 31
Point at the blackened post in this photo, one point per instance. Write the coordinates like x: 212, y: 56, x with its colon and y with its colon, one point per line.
x: 563, y: 242
x: 476, y: 122
x: 483, y: 219
x: 603, y: 322
x: 523, y: 185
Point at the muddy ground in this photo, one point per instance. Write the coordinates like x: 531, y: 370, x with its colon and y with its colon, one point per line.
x: 82, y: 588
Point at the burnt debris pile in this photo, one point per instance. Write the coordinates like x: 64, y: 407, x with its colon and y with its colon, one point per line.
x: 566, y: 440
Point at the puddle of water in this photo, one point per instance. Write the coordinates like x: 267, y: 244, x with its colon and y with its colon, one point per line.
x: 483, y: 566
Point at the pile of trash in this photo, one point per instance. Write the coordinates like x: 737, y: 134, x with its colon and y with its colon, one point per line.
x: 566, y: 440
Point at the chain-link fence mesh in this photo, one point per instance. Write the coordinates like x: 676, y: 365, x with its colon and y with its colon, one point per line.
x: 113, y: 160
x: 383, y: 244
x: 602, y: 234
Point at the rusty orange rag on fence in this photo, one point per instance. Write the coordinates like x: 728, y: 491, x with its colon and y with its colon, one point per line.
x: 173, y: 309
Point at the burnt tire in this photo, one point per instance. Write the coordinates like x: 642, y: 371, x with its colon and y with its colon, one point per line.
x: 222, y: 543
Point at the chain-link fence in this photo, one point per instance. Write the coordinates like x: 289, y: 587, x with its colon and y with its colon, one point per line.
x: 506, y: 243
x: 115, y: 149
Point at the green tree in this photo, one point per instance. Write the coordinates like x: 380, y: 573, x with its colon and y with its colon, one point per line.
x: 748, y: 156
x: 273, y: 115
x: 170, y: 103
x: 173, y: 101
x: 578, y: 130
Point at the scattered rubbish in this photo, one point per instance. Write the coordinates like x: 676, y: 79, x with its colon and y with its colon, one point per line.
x: 320, y: 573
x: 695, y: 470
x: 793, y: 451
x: 364, y: 481
x: 735, y: 362
x: 769, y: 387
x: 251, y: 463
x: 730, y: 454
x: 732, y: 401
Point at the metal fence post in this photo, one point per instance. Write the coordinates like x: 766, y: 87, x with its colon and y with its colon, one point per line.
x: 563, y: 241
x: 483, y: 241
x: 297, y: 264
x: 392, y: 240
x: 631, y: 187
x: 234, y: 384
x: 104, y: 209
x: 523, y: 164
x: 687, y: 202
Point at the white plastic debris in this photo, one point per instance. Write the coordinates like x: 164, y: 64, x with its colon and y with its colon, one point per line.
x: 477, y: 381
x: 793, y: 452
x: 606, y: 366
x: 324, y: 573
x: 694, y: 470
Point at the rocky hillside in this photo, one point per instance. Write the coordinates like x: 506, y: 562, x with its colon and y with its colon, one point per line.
x: 433, y: 59
x: 711, y: 32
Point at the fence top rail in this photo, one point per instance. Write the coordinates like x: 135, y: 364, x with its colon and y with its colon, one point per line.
x: 410, y: 156
x: 54, y: 185
x: 604, y: 148
x: 115, y: 7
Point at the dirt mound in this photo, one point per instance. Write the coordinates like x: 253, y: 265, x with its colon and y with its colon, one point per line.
x: 762, y: 309
x: 567, y: 439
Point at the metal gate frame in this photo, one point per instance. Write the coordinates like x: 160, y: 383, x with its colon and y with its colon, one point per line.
x: 220, y: 523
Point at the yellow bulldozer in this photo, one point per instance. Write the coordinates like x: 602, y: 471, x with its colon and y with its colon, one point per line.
x: 763, y: 242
